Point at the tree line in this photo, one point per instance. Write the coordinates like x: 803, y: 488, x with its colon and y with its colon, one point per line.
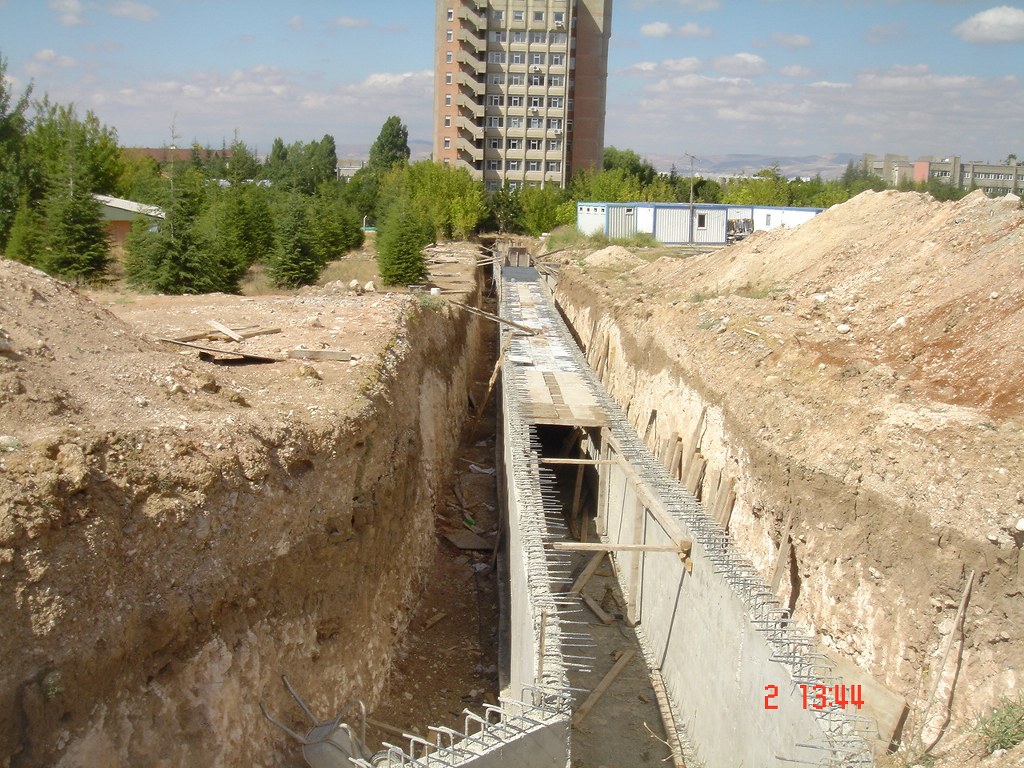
x: 226, y: 210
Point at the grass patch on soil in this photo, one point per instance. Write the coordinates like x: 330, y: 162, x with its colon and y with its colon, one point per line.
x: 1003, y: 726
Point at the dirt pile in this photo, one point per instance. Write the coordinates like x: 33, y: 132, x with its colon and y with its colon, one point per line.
x: 864, y: 371
x: 175, y: 534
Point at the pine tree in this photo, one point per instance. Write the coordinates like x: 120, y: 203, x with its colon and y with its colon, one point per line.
x: 391, y: 147
x: 76, y: 245
x: 294, y: 262
x: 26, y: 240
x: 399, y: 246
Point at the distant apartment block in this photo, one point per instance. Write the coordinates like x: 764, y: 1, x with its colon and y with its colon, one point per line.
x: 519, y: 88
x: 993, y: 178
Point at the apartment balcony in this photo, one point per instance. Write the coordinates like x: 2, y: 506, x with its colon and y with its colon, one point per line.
x: 470, y: 127
x: 475, y: 65
x: 474, y: 15
x: 470, y: 82
x: 472, y: 39
x: 474, y: 107
x: 469, y: 148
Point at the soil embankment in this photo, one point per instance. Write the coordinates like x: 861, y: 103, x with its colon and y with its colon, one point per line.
x: 175, y: 534
x: 862, y: 374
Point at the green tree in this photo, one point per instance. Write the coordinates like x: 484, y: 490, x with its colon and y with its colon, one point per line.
x: 540, y: 208
x: 294, y: 261
x: 505, y: 207
x: 27, y: 235
x: 766, y: 187
x: 176, y: 256
x: 630, y: 162
x: 241, y: 163
x: 75, y: 243
x: 400, y: 244
x: 13, y: 127
x: 391, y: 146
x: 334, y: 227
x: 614, y: 186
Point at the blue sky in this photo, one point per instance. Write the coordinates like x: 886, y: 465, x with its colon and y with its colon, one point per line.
x: 708, y: 77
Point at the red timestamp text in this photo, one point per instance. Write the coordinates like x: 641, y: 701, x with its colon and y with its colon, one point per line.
x: 820, y: 696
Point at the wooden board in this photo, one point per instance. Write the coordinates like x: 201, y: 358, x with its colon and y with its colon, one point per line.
x: 469, y: 540
x: 231, y: 353
x: 320, y: 354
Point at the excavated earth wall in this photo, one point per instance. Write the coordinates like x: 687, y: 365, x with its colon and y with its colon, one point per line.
x: 899, y: 467
x: 159, y: 573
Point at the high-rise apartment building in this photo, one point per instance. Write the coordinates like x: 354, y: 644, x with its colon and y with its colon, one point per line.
x: 520, y: 85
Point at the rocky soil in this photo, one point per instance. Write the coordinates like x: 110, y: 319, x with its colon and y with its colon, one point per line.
x: 865, y: 373
x: 176, y: 533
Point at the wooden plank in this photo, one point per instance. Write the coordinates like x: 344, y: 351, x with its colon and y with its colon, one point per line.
x: 580, y: 462
x: 320, y: 354
x: 696, y: 473
x: 711, y: 494
x: 473, y: 310
x: 490, y: 384
x: 469, y: 540
x: 603, y: 686
x: 693, y: 444
x: 232, y: 353
x: 684, y: 545
x: 591, y: 568
x: 784, y: 546
x: 727, y: 510
x: 724, y: 491
x: 574, y: 515
x: 224, y: 329
x: 591, y: 603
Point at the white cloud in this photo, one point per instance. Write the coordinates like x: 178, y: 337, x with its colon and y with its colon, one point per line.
x: 662, y: 29
x: 692, y: 5
x: 686, y: 65
x: 656, y: 29
x: 741, y: 64
x: 795, y: 70
x: 348, y: 22
x: 45, y: 59
x: 1001, y: 24
x: 296, y: 23
x: 130, y: 9
x: 692, y: 29
x: 70, y: 13
x: 880, y: 34
x: 790, y: 41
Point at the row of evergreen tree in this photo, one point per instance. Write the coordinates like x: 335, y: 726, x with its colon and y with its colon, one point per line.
x: 226, y: 210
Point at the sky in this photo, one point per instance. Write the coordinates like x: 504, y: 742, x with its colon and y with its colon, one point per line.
x: 699, y: 77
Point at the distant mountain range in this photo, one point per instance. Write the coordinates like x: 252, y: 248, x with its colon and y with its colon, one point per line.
x: 830, y: 166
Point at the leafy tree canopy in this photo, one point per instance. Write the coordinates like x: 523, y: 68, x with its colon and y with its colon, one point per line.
x: 391, y: 146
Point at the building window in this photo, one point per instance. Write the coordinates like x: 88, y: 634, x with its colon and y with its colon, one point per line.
x: 494, y: 165
x: 538, y: 37
x: 533, y: 165
x: 447, y: 99
x: 451, y: 36
x: 555, y: 123
x: 496, y: 36
x: 498, y: 15
x: 570, y: 105
x: 495, y: 122
x: 536, y: 122
x: 451, y: 14
x: 515, y: 122
x: 559, y: 17
x: 447, y: 121
x: 768, y: 220
x: 518, y: 15
x: 494, y: 143
x: 536, y: 79
x: 554, y: 166
x: 535, y: 144
x: 448, y: 78
x: 519, y: 36
x: 518, y: 57
x: 702, y: 221
x: 496, y: 78
x: 558, y: 59
x: 449, y: 57
x: 515, y: 143
x: 538, y: 15
x: 447, y: 161
x: 556, y: 102
x: 536, y: 102
x: 496, y: 57
x: 555, y: 145
x: 558, y: 38
x: 516, y: 78
x: 513, y: 165
x: 496, y: 100
x: 515, y: 101
x: 556, y: 81
x: 537, y: 59
x: 447, y: 143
